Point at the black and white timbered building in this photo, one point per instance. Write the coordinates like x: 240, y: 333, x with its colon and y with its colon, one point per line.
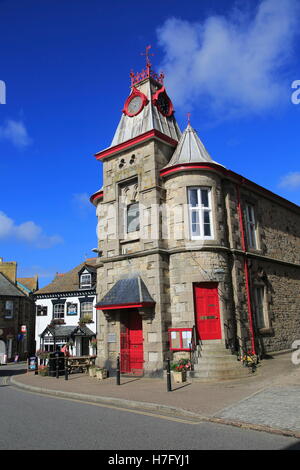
x: 65, y: 310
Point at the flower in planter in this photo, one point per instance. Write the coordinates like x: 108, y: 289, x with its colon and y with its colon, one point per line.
x: 42, y: 354
x: 87, y: 318
x: 181, y: 366
x: 43, y: 370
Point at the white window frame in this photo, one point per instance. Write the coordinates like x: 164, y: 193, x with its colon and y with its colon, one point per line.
x: 86, y: 284
x: 88, y: 311
x: 9, y: 307
x: 200, y: 209
x: 58, y: 313
x: 251, y: 229
x: 135, y: 203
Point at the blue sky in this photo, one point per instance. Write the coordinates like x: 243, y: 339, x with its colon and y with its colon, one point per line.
x: 66, y: 65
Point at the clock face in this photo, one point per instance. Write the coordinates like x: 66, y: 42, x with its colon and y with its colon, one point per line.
x: 134, y: 105
x: 163, y: 104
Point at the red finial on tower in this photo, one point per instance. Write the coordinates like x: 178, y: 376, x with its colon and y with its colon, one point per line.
x: 146, y: 73
x: 148, y: 63
x: 189, y: 118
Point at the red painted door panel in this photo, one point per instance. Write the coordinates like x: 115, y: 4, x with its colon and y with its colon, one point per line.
x: 207, y: 311
x: 132, y: 350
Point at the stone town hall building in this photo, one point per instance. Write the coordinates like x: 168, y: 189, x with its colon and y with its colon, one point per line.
x: 191, y: 252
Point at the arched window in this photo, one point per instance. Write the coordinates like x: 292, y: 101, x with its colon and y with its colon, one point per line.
x: 133, y: 217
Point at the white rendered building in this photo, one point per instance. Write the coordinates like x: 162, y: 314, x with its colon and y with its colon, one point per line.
x: 65, y: 311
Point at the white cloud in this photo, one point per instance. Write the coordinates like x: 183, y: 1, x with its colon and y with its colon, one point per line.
x: 28, y: 232
x: 232, y: 64
x: 290, y: 180
x: 82, y: 200
x: 16, y: 133
x: 82, y: 204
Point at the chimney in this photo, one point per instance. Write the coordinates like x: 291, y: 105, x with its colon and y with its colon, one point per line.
x: 9, y: 269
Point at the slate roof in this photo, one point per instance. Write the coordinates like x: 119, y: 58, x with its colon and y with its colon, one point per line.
x: 68, y: 330
x: 190, y: 149
x: 7, y: 288
x: 31, y: 283
x: 68, y: 281
x: 127, y: 291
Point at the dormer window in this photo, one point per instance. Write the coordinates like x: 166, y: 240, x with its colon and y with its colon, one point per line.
x: 85, y: 281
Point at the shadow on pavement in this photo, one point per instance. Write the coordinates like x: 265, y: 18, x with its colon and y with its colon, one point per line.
x: 295, y: 446
x: 12, y: 372
x: 129, y: 381
x: 181, y: 386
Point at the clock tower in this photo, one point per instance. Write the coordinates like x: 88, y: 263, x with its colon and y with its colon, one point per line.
x: 133, y: 287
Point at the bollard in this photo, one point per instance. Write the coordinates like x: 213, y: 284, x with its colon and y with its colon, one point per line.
x: 57, y: 370
x: 169, y: 387
x: 118, y: 371
x: 66, y: 369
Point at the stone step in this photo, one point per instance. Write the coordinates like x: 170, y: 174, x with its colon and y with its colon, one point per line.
x: 217, y: 353
x: 217, y: 347
x: 212, y: 341
x: 207, y: 375
x: 217, y: 366
x: 211, y: 359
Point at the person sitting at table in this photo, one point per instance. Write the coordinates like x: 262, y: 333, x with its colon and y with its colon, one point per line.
x: 65, y: 350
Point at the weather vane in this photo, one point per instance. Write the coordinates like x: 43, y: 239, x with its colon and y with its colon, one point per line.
x: 148, y: 63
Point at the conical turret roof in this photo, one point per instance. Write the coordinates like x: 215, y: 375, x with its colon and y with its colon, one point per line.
x: 190, y: 149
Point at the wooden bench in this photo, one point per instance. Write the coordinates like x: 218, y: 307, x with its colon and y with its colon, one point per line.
x: 80, y: 362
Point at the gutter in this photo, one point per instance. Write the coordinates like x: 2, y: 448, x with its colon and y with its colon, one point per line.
x: 246, y: 269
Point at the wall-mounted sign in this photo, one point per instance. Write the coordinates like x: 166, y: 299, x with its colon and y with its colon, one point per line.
x: 71, y: 309
x: 23, y: 328
x: 111, y: 338
x: 181, y: 339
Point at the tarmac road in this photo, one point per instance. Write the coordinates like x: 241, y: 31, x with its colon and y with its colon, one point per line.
x: 30, y: 421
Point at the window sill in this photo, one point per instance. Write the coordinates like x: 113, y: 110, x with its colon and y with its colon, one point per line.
x: 129, y: 240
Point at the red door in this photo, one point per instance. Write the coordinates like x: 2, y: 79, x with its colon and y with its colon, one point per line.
x: 207, y: 311
x: 132, y: 350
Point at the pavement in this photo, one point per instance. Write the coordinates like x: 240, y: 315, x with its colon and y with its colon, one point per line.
x: 268, y: 400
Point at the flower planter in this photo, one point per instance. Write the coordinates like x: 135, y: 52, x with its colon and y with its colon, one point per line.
x: 101, y: 374
x: 43, y: 370
x: 179, y: 376
x: 92, y: 371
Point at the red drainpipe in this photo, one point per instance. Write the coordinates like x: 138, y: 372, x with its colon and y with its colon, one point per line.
x: 246, y: 269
